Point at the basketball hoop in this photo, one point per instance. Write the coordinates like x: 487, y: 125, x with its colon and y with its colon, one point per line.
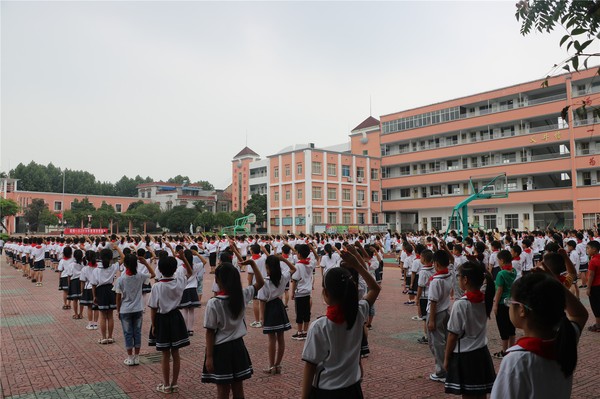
x: 251, y: 218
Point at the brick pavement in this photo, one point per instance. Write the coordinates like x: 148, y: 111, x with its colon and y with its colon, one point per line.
x: 46, y: 354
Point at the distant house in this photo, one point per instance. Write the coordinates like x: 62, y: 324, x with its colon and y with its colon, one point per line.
x: 169, y: 195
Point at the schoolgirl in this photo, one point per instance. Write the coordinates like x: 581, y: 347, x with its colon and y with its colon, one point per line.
x: 199, y: 261
x: 329, y: 259
x: 546, y: 357
x: 146, y: 287
x: 517, y: 262
x: 466, y: 343
x: 332, y: 348
x: 259, y: 258
x: 286, y: 252
x: 168, y: 332
x: 73, y: 275
x: 63, y: 282
x: 104, y: 296
x: 189, y: 299
x: 226, y: 361
x: 87, y: 297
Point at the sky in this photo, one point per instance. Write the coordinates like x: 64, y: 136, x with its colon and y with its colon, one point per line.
x: 166, y: 88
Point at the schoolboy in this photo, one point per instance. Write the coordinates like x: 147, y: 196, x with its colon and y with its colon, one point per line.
x: 438, y: 314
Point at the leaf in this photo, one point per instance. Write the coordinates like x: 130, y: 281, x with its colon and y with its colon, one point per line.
x: 565, y: 113
x: 575, y: 62
x: 564, y: 39
x: 578, y: 31
x: 566, y: 68
x: 585, y: 44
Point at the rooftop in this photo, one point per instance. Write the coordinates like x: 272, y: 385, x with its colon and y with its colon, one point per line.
x: 369, y: 122
x: 246, y: 152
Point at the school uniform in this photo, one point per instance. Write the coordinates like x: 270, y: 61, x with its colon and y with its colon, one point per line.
x: 37, y: 254
x: 189, y: 298
x: 424, y: 280
x: 276, y: 318
x: 415, y: 267
x: 468, y: 320
x: 212, y: 253
x: 63, y: 266
x: 74, y: 272
x: 102, y: 279
x: 328, y: 262
x: 231, y: 360
x: 87, y: 297
x: 527, y: 260
x: 170, y: 331
x: 583, y: 258
x: 505, y: 280
x: 494, y: 265
x: 303, y: 278
x: 439, y: 292
x: 529, y: 371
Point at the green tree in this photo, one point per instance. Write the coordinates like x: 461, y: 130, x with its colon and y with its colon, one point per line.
x: 178, y: 219
x: 223, y: 219
x: 144, y: 213
x: 205, y: 185
x: 258, y: 206
x: 103, y: 215
x: 34, y: 212
x: 206, y: 220
x: 79, y: 212
x: 178, y: 179
x: 200, y: 205
x: 8, y: 207
x: 48, y: 218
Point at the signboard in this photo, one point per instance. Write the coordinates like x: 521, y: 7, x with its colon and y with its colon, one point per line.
x: 85, y: 231
x: 485, y: 210
x: 349, y: 229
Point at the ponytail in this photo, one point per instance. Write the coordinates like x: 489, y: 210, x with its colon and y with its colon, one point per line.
x: 476, y: 274
x: 566, y: 347
x: 343, y: 290
x: 490, y: 292
x: 229, y: 280
x: 274, y: 265
x: 329, y: 250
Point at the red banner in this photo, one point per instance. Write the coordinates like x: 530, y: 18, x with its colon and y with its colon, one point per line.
x: 86, y: 231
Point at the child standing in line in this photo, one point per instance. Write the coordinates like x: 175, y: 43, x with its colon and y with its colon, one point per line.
x: 542, y: 363
x: 414, y: 274
x: 63, y: 282
x: 517, y: 262
x: 227, y: 362
x: 259, y: 259
x: 467, y: 336
x: 73, y: 274
x: 301, y: 285
x: 504, y: 282
x: 593, y: 290
x: 332, y: 349
x: 406, y: 265
x: 190, y: 300
x: 104, y: 296
x: 168, y: 331
x: 425, y: 275
x: 493, y: 265
x: 87, y: 298
x: 438, y: 312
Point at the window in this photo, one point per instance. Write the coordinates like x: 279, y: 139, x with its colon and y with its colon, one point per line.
x: 360, y: 173
x: 404, y: 192
x: 365, y: 152
x: 346, y: 194
x: 374, y: 174
x: 316, y: 193
x: 375, y: 196
x: 509, y: 157
x: 331, y: 169
x: 276, y: 196
x: 452, y: 164
x: 287, y: 221
x: 299, y: 169
x: 404, y: 170
x: 385, y: 194
x: 276, y: 172
x: 58, y: 205
x: 453, y: 222
x: 299, y: 193
x: 275, y: 221
x: 511, y: 184
x: 511, y: 221
x: 361, y: 218
x: 345, y: 170
x: 287, y: 195
x: 489, y: 222
x: 331, y: 194
x: 360, y: 195
x: 436, y: 223
x: 118, y: 208
x: 587, y: 178
x: 287, y: 170
x: 454, y: 189
x: 332, y: 217
x: 317, y: 217
x: 316, y: 168
x: 346, y: 218
x: 436, y: 190
x: 143, y: 194
x: 375, y: 218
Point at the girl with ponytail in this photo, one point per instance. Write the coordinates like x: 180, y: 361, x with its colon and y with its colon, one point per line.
x: 545, y: 358
x: 332, y: 349
x: 466, y: 343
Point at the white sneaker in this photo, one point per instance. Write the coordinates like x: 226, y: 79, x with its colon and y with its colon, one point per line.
x: 89, y: 327
x: 136, y: 360
x: 95, y: 326
x: 256, y: 324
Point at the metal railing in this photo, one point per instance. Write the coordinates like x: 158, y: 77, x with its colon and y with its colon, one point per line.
x: 542, y: 100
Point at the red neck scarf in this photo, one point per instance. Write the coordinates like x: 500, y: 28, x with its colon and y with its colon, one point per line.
x: 165, y: 280
x: 443, y: 271
x: 527, y: 250
x: 92, y: 264
x: 255, y: 256
x: 418, y: 257
x: 507, y: 267
x: 539, y: 346
x: 335, y: 314
x: 517, y: 258
x: 128, y: 272
x: 285, y: 256
x: 475, y: 296
x: 66, y: 258
x: 222, y: 293
x: 304, y: 261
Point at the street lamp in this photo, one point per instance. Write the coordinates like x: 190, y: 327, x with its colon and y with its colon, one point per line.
x: 62, y: 215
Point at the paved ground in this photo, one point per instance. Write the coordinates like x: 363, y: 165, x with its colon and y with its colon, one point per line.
x: 46, y: 354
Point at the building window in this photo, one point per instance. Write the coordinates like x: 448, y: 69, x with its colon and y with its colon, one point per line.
x: 590, y: 220
x: 489, y: 222
x: 345, y: 170
x: 404, y: 192
x: 375, y: 196
x: 346, y: 194
x: 287, y: 170
x: 276, y: 196
x: 365, y: 152
x: 511, y: 221
x: 436, y: 223
x: 436, y: 190
x: 118, y: 208
x: 316, y: 168
x: 58, y: 205
x: 287, y: 195
x: 346, y: 218
x: 454, y: 189
x: 374, y: 174
x: 299, y: 192
x: 331, y: 169
x: 587, y: 178
x: 375, y: 218
x: 276, y: 172
x: 361, y: 218
x: 275, y: 221
x: 143, y: 194
x: 509, y: 157
x: 360, y: 173
x: 317, y: 218
x: 299, y: 169
x: 332, y: 217
x: 331, y: 194
x: 316, y: 193
x: 360, y: 195
x: 452, y: 164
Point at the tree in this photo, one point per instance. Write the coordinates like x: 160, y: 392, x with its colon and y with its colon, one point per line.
x: 103, y: 215
x: 8, y: 207
x: 206, y: 220
x: 205, y: 185
x: 223, y: 219
x: 178, y: 179
x: 34, y: 213
x: 48, y: 218
x: 143, y: 213
x: 79, y: 212
x: 258, y: 206
x: 178, y: 219
x: 200, y: 205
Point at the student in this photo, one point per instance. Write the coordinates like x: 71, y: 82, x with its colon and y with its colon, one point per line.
x: 414, y: 274
x: 168, y: 331
x: 504, y: 281
x: 38, y: 251
x: 330, y: 259
x: 593, y: 289
x: 542, y: 363
x: 438, y: 312
x: 406, y: 266
x: 527, y: 256
x: 467, y: 335
x: 286, y: 252
x: 130, y: 304
x: 226, y: 361
x: 258, y: 258
x: 190, y: 300
x: 517, y: 262
x: 104, y: 296
x: 301, y: 286
x: 73, y: 273
x: 583, y: 260
x: 332, y: 349
x: 426, y: 273
x: 493, y: 265
x: 63, y: 282
x: 87, y: 297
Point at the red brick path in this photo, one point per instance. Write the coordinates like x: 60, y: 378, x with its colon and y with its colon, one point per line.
x: 43, y: 351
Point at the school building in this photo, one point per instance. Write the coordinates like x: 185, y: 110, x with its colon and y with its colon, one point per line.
x: 169, y: 195
x: 311, y: 189
x: 551, y: 157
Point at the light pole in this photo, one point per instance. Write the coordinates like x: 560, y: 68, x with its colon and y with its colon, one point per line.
x: 62, y: 214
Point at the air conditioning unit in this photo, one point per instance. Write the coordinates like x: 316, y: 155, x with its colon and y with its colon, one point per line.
x: 359, y: 179
x: 359, y: 203
x: 349, y: 179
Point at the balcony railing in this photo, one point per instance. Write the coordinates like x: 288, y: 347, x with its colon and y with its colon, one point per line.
x: 542, y: 100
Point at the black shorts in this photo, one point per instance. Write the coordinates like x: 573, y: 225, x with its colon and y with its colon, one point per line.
x: 351, y: 392
x: 302, y: 309
x: 595, y: 300
x: 583, y: 268
x: 212, y: 259
x: 505, y: 326
x: 423, y: 306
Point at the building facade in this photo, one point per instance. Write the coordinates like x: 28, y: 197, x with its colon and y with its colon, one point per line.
x: 170, y: 195
x: 551, y: 157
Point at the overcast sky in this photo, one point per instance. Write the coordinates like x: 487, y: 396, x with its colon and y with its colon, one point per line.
x: 166, y: 88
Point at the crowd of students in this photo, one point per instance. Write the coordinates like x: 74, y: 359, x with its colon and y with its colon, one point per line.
x: 525, y: 280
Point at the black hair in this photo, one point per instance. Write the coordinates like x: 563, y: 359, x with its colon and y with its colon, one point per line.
x: 458, y: 248
x: 551, y: 247
x: 141, y: 252
x: 419, y: 248
x: 427, y: 256
x: 228, y: 279
x: 303, y: 250
x: 476, y: 273
x: 78, y: 255
x: 189, y: 256
x: 594, y: 245
x: 480, y: 247
x: 496, y: 244
x: 68, y: 252
x: 90, y: 257
x: 505, y: 256
x: 526, y: 242
x: 130, y: 261
x: 442, y: 258
x: 105, y: 257
x: 545, y: 298
x: 328, y: 250
x: 555, y: 262
x: 226, y: 257
x: 286, y: 249
x: 516, y: 249
x: 342, y: 289
x: 274, y: 265
x: 255, y: 248
x: 126, y: 251
x: 167, y: 266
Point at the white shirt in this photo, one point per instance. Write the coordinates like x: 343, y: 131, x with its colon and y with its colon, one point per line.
x: 424, y: 276
x: 218, y: 317
x: 439, y: 291
x: 327, y: 262
x: 85, y: 276
x: 261, y: 265
x: 270, y: 291
x: 468, y: 321
x: 166, y: 293
x: 304, y: 278
x: 63, y: 266
x: 104, y: 276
